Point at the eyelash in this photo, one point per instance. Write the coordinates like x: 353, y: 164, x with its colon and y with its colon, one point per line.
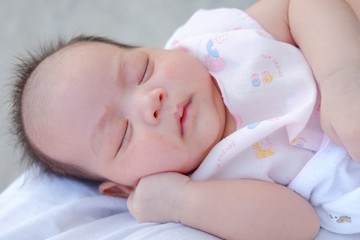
x: 146, y: 72
x: 125, y: 136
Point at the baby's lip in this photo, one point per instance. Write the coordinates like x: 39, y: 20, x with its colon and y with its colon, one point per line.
x: 182, y: 115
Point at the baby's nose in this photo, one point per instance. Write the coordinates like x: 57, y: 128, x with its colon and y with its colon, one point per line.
x: 152, y: 104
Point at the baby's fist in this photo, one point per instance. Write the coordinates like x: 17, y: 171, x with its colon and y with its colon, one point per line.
x: 156, y: 198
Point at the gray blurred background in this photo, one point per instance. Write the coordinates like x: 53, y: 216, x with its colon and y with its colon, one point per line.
x: 26, y: 23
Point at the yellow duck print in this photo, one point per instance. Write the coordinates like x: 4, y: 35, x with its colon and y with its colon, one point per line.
x: 264, y: 148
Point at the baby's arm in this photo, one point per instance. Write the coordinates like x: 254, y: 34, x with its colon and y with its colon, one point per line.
x: 229, y: 209
x: 328, y: 33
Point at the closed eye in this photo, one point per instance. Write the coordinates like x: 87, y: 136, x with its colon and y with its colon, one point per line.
x: 125, y: 138
x: 147, y: 72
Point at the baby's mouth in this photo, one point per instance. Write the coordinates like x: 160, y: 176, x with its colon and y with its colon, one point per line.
x: 182, y: 116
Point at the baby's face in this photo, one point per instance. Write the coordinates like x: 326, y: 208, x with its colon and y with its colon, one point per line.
x: 124, y: 114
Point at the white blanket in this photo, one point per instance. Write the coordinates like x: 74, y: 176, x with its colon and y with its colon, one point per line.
x: 49, y: 207
x: 331, y: 182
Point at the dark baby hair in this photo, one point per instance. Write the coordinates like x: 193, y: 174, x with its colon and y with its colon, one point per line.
x: 22, y: 71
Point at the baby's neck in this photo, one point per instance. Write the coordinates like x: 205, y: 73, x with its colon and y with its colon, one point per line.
x: 230, y: 124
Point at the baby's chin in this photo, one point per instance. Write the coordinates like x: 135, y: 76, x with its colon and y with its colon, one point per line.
x: 196, y: 162
x: 215, y: 84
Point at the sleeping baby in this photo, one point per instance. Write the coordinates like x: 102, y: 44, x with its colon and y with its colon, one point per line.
x: 223, y: 133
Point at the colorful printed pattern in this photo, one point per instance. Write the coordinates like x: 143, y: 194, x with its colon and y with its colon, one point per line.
x: 264, y: 148
x: 213, y: 61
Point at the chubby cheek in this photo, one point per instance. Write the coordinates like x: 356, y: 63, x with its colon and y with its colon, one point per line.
x: 155, y: 154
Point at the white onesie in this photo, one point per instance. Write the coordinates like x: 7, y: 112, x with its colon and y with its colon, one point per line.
x: 270, y: 90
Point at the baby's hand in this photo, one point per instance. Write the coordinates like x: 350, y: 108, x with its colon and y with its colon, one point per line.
x: 156, y: 198
x: 340, y: 110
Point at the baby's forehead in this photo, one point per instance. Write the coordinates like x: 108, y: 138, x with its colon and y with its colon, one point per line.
x: 77, y: 59
x: 55, y: 60
x: 44, y: 76
x: 73, y: 53
x: 64, y: 63
x: 67, y: 53
x: 56, y: 63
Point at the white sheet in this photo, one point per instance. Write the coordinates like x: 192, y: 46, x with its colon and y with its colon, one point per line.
x: 49, y: 207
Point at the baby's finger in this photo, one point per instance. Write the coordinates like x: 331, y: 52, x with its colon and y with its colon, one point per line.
x: 129, y: 202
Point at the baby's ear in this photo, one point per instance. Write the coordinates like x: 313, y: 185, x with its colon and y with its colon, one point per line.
x: 114, y: 189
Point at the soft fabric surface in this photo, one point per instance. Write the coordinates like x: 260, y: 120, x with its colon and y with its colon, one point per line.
x: 331, y: 182
x: 48, y: 207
